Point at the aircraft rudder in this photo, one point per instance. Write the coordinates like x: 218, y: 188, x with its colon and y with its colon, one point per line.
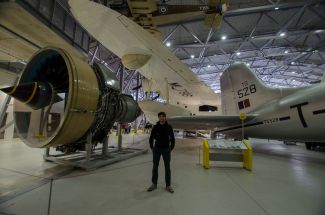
x: 242, y: 90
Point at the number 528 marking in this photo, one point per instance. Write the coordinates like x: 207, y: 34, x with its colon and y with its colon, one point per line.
x: 251, y: 89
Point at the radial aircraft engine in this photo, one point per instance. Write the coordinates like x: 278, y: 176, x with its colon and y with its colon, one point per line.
x: 60, y: 100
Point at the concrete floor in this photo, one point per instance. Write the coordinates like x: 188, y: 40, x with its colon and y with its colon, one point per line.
x: 21, y: 165
x: 285, y: 180
x: 22, y: 168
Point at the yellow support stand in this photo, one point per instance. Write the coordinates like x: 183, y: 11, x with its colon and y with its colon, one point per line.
x: 216, y: 153
x: 248, y: 156
x: 206, y: 154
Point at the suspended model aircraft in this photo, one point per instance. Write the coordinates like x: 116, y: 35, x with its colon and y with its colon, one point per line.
x: 287, y: 114
x: 150, y: 13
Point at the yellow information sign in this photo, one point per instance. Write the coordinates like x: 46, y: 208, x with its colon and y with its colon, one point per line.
x: 242, y: 116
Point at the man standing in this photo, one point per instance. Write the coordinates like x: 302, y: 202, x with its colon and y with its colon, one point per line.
x: 164, y: 138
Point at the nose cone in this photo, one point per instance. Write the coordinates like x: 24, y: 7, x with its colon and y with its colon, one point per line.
x: 36, y: 94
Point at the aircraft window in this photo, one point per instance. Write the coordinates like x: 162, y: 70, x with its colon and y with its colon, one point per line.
x: 208, y: 108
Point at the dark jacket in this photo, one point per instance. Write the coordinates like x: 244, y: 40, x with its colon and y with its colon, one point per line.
x: 163, y: 135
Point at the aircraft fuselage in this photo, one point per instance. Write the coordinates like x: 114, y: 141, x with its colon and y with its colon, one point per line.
x: 297, y: 117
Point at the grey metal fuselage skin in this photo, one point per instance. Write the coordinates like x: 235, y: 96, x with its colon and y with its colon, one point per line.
x: 297, y: 117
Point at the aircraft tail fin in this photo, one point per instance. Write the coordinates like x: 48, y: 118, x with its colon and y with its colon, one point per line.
x: 243, y: 91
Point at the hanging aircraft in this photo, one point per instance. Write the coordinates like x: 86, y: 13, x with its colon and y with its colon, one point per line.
x: 287, y: 114
x: 150, y: 13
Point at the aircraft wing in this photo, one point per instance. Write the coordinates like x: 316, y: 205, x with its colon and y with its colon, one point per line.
x: 124, y: 37
x: 206, y: 122
x: 151, y: 109
x: 142, y: 7
x: 180, y: 118
x: 213, y: 17
x: 141, y: 12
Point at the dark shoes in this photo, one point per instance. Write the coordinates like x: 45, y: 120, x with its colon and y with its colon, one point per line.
x: 152, y: 187
x: 170, y: 189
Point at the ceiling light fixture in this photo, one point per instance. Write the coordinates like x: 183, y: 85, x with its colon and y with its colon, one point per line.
x: 282, y: 34
x: 223, y: 37
x: 168, y: 44
x: 192, y: 56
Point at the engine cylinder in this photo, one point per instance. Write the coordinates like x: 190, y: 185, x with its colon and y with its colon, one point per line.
x: 129, y: 109
x: 64, y: 121
x: 60, y: 99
